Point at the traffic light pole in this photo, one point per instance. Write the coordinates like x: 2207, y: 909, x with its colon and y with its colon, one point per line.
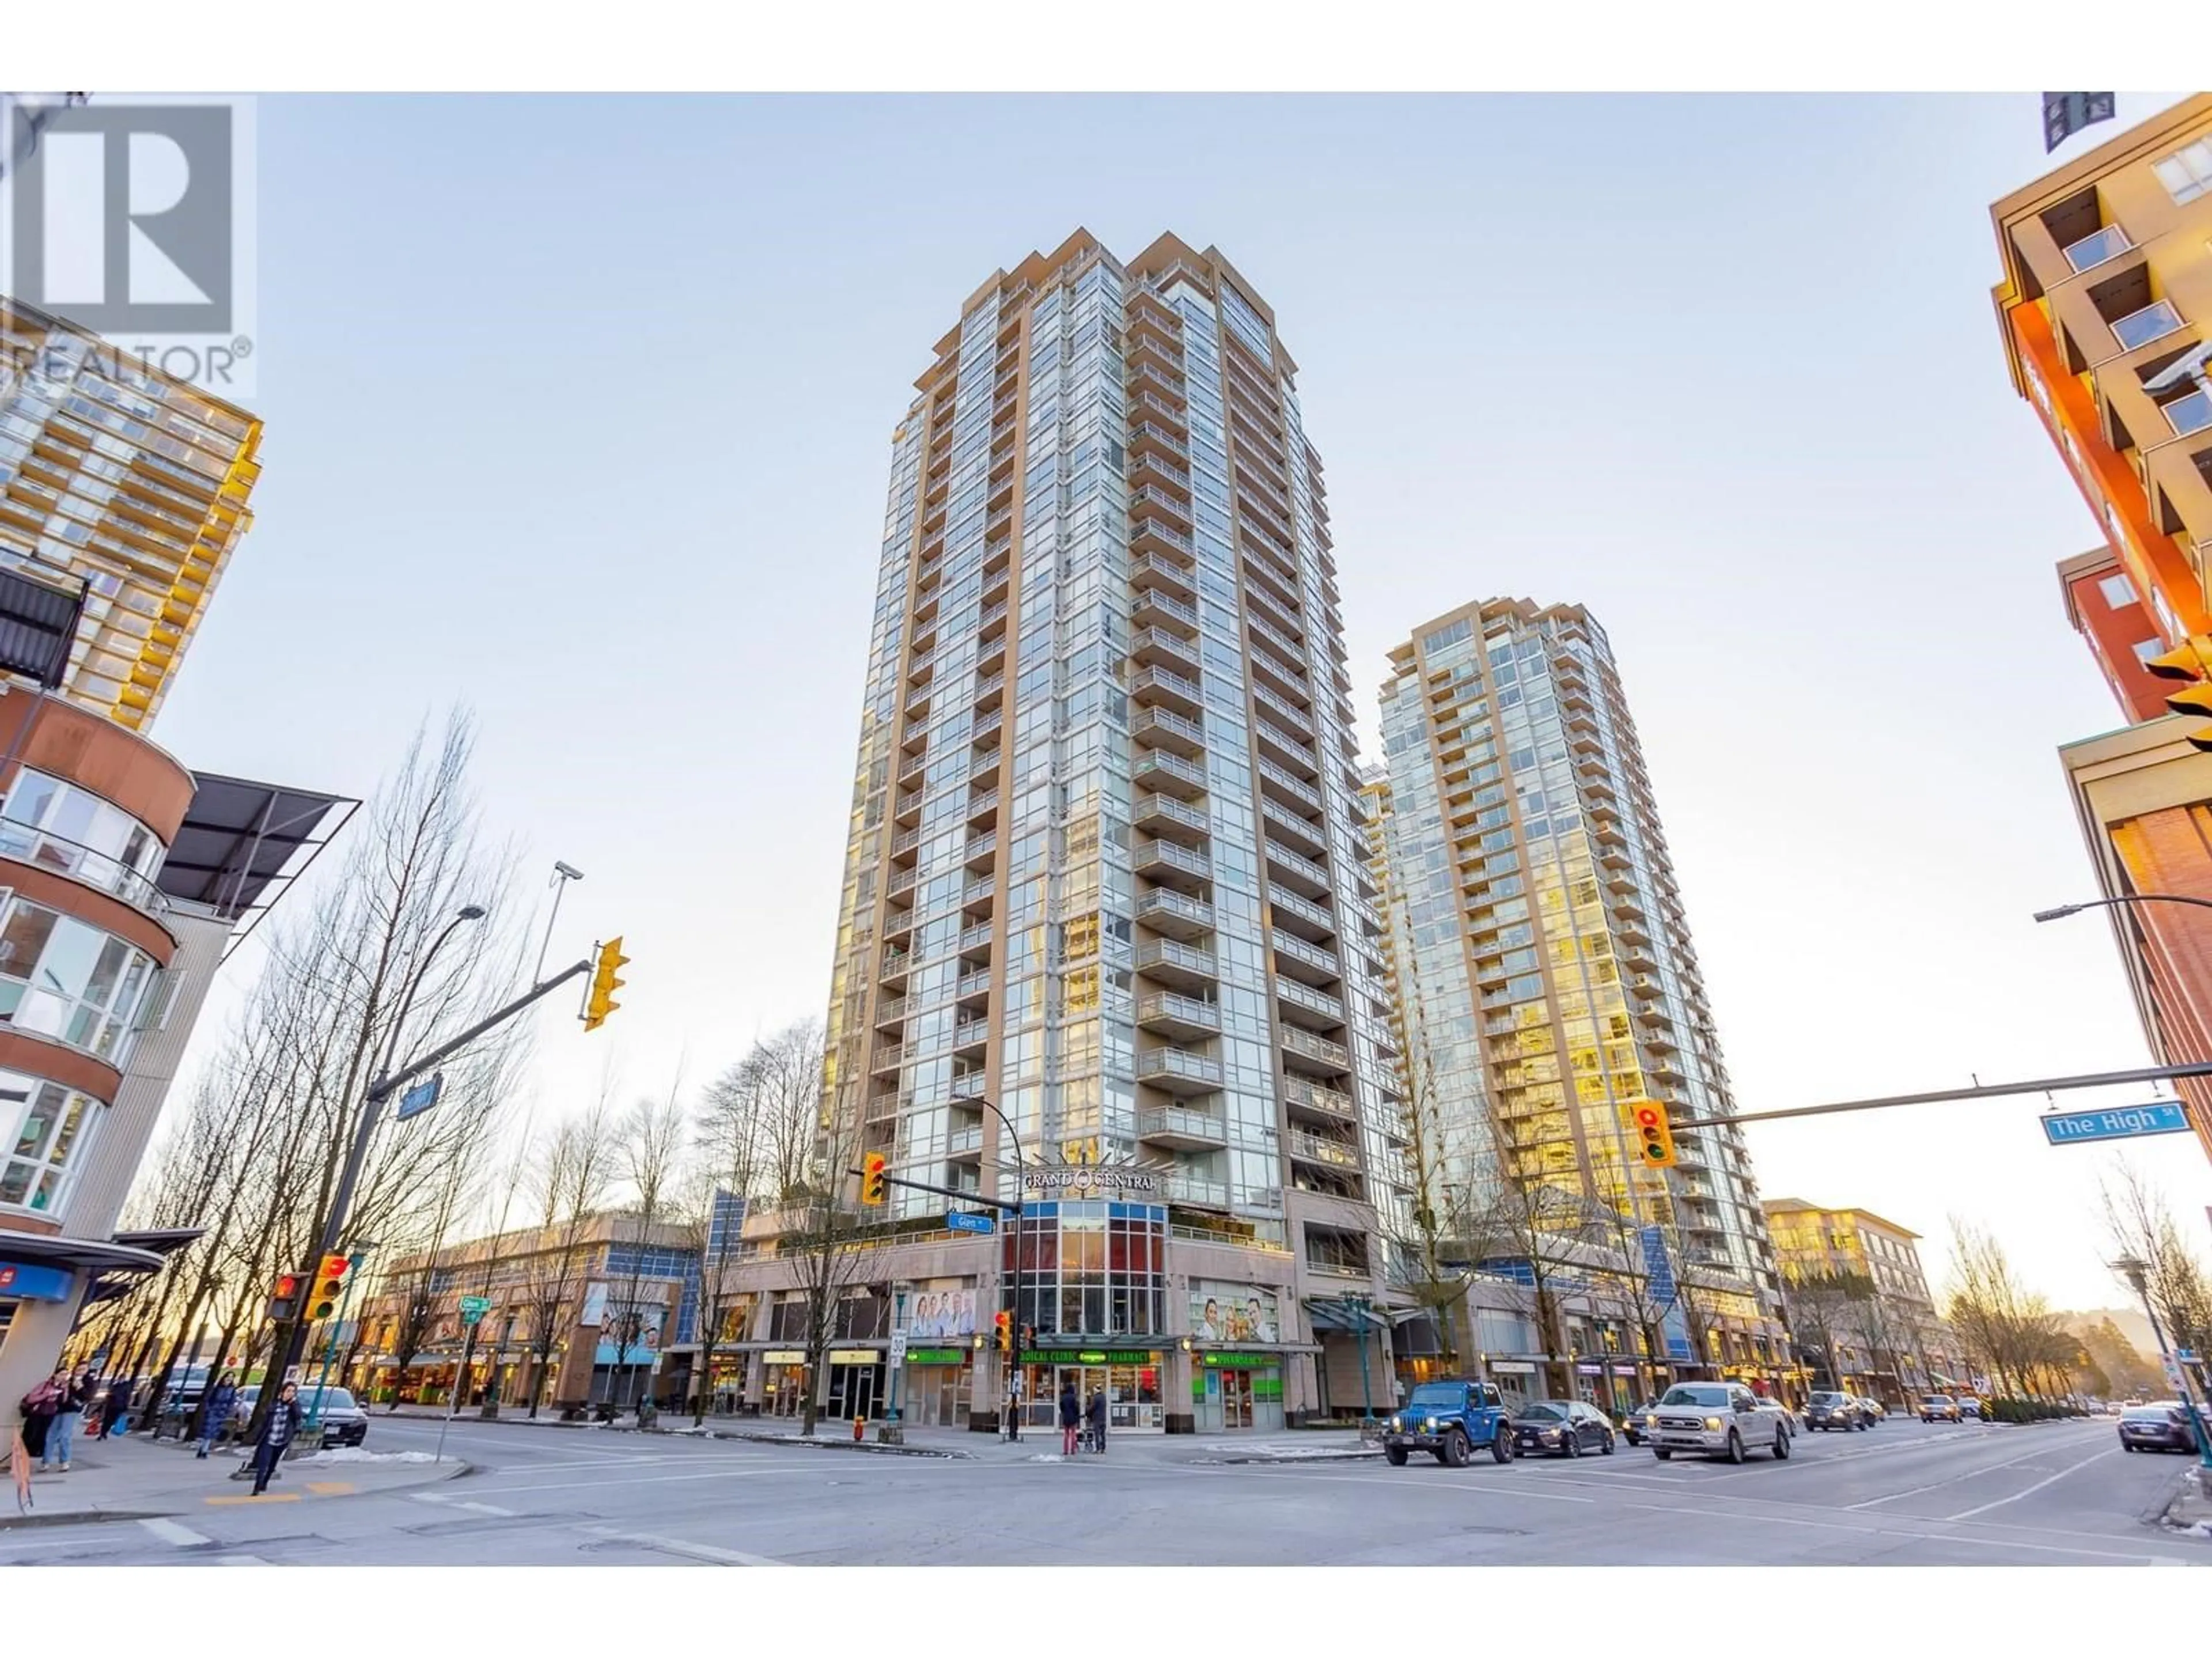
x: 372, y: 1105
x: 330, y: 1353
x: 1979, y: 1091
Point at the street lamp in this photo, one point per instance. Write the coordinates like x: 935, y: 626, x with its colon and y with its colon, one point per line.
x: 2133, y: 1269
x: 1014, y: 1349
x: 562, y: 875
x: 2065, y: 910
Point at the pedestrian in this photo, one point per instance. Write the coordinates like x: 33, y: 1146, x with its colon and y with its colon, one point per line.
x: 278, y: 1433
x: 40, y: 1408
x: 1098, y: 1414
x: 77, y: 1392
x: 221, y: 1400
x: 1070, y: 1418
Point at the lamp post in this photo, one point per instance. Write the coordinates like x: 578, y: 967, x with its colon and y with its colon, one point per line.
x: 2060, y: 912
x: 562, y: 875
x: 2136, y: 1273
x: 1014, y: 1342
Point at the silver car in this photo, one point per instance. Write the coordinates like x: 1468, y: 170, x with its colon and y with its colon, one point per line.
x: 1719, y: 1420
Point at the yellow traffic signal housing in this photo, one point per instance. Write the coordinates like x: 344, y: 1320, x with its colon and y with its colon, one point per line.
x: 605, y: 984
x: 1005, y: 1327
x: 1655, y: 1140
x: 329, y: 1287
x: 874, y: 1188
x: 2193, y: 662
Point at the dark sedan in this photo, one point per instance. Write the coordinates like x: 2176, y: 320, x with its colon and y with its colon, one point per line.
x: 1633, y: 1425
x: 1829, y: 1410
x: 2157, y: 1428
x: 1561, y: 1428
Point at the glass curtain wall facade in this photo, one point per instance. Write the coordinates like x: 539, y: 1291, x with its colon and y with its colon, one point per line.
x: 1106, y: 866
x: 1543, y: 962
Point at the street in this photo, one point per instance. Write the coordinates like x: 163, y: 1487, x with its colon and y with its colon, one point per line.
x: 1903, y: 1493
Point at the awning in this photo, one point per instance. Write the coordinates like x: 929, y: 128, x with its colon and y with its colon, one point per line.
x: 241, y: 840
x: 90, y: 1255
x: 1328, y: 1315
x: 165, y: 1242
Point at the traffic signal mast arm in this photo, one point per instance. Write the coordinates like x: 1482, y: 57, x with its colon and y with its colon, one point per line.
x: 1000, y: 1205
x: 1980, y: 1092
x: 385, y: 1086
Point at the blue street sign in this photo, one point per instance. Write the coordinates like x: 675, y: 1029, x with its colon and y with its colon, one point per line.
x: 967, y: 1221
x: 421, y: 1098
x: 2160, y: 1117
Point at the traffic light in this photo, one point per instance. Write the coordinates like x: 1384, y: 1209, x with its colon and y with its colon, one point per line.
x: 874, y: 1188
x: 1029, y: 1339
x: 330, y: 1285
x: 1655, y: 1140
x: 1005, y: 1324
x: 2193, y: 662
x: 283, y: 1298
x: 604, y: 985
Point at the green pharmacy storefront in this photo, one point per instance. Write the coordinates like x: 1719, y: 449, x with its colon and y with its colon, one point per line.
x: 1131, y: 1377
x: 1231, y: 1391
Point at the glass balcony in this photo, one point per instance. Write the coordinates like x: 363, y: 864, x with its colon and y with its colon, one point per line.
x: 1178, y: 1071
x: 2153, y: 322
x: 1192, y: 1190
x: 1164, y: 860
x: 1172, y: 913
x: 1162, y: 770
x: 1174, y: 963
x: 1152, y: 811
x: 1179, y: 1017
x: 1312, y: 1097
x: 1321, y: 1149
x: 1304, y: 1049
x: 2094, y: 250
x: 1182, y: 1127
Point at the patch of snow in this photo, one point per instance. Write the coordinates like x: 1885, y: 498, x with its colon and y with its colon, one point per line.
x: 358, y: 1455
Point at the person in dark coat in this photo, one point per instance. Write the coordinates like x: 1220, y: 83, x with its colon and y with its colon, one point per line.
x: 1097, y: 1413
x: 278, y: 1433
x: 221, y: 1400
x: 39, y: 1408
x: 1070, y: 1418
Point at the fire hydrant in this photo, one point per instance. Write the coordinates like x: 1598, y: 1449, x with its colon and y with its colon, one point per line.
x: 859, y: 1429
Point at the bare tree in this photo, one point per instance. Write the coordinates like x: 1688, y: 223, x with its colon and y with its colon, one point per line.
x: 822, y: 1237
x: 1545, y: 1232
x: 648, y: 1153
x: 725, y: 1173
x: 571, y: 1171
x: 2139, y: 1221
x: 1822, y: 1306
x: 1997, y: 1317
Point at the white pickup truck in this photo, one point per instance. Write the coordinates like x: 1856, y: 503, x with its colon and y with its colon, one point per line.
x: 1720, y: 1419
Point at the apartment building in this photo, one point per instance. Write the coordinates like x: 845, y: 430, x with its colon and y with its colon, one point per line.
x: 1546, y: 982
x: 125, y: 875
x: 1108, y: 936
x: 1893, y: 1343
x: 2103, y: 312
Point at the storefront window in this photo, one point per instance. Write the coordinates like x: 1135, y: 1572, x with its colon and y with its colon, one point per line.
x: 1092, y: 1268
x: 64, y: 979
x: 47, y: 822
x: 44, y: 1130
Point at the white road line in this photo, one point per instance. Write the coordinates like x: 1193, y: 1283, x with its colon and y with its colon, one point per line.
x: 1950, y: 1481
x: 430, y: 1497
x: 170, y: 1532
x: 481, y: 1508
x: 6, y: 1543
x: 239, y: 1561
x: 2030, y: 1491
x: 679, y: 1547
x: 654, y: 1480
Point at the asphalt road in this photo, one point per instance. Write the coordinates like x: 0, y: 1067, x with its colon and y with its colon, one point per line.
x: 1901, y: 1494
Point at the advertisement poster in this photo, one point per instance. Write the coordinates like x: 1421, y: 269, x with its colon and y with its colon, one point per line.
x: 1232, y: 1313
x: 938, y: 1314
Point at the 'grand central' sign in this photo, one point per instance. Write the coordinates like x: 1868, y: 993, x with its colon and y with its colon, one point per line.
x: 1090, y: 1177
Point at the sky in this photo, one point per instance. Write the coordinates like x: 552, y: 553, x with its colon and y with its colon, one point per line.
x: 579, y: 415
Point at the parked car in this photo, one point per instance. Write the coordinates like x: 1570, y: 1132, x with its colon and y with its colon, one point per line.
x: 1451, y: 1420
x: 1830, y: 1410
x: 1721, y: 1419
x: 1873, y: 1410
x: 1632, y: 1425
x: 1938, y: 1408
x: 1561, y: 1428
x: 2162, y: 1427
x: 343, y: 1422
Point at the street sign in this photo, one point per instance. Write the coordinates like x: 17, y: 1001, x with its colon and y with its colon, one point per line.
x: 2160, y: 1117
x: 899, y: 1349
x: 473, y: 1309
x: 967, y: 1221
x: 421, y: 1098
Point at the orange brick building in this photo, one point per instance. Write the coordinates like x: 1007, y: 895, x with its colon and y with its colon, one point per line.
x: 2104, y: 310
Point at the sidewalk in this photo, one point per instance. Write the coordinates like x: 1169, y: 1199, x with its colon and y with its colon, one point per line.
x: 2190, y: 1511
x: 1037, y: 1445
x: 138, y: 1480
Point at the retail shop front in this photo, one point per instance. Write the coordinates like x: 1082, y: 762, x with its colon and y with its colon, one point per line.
x: 1231, y: 1391
x: 936, y: 1386
x: 1132, y: 1379
x: 783, y: 1382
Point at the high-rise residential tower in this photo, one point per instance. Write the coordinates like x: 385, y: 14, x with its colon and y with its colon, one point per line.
x: 2106, y: 315
x: 1542, y: 964
x: 1106, y: 868
x: 125, y: 876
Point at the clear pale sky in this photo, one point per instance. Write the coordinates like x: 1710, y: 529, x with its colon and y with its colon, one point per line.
x: 579, y: 412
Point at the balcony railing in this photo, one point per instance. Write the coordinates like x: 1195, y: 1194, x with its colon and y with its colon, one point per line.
x: 1314, y: 1097
x: 95, y: 869
x: 1150, y: 854
x: 1168, y: 953
x: 1319, y: 1149
x: 1167, y: 1008
x: 1182, y: 1123
x: 2094, y: 249
x: 1319, y: 1049
x: 1179, y: 1065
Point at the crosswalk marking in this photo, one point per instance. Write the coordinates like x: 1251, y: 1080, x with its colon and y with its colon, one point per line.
x: 170, y: 1532
x: 681, y: 1547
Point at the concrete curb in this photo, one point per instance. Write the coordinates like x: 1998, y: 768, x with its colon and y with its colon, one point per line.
x: 435, y: 1476
x: 875, y: 1446
x: 2190, y: 1510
